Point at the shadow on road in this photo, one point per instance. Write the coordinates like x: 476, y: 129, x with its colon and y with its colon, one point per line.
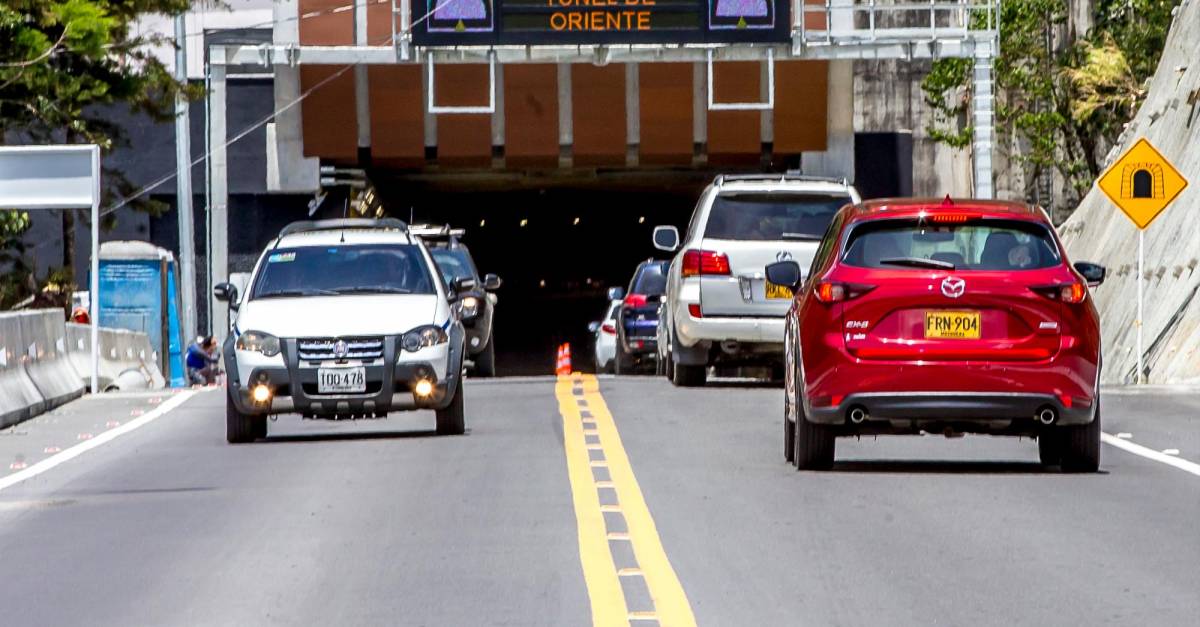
x: 946, y: 467
x: 355, y: 435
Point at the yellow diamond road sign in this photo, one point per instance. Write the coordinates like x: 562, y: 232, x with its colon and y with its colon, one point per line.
x: 1142, y: 183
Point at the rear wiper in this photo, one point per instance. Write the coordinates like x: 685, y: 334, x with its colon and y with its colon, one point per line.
x: 801, y: 237
x: 373, y: 289
x: 918, y: 262
x: 288, y: 293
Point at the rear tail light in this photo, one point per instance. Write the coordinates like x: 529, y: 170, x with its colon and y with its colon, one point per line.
x: 694, y: 311
x: 635, y: 300
x: 835, y: 292
x: 609, y: 329
x: 1070, y: 293
x: 704, y: 262
x: 951, y: 218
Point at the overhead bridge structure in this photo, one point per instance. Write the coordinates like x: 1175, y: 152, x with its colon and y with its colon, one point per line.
x: 498, y: 87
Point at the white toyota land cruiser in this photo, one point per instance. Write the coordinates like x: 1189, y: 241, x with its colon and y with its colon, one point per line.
x: 343, y: 319
x: 719, y: 308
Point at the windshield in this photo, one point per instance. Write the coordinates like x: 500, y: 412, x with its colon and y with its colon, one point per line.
x: 978, y: 245
x: 343, y: 269
x: 772, y: 216
x: 453, y: 263
x: 651, y: 279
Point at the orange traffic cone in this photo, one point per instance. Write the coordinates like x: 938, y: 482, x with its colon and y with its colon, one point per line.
x: 562, y: 366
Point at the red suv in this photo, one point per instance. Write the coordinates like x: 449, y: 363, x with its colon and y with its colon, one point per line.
x: 953, y: 316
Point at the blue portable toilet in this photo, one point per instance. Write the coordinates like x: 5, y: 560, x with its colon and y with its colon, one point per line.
x: 139, y: 291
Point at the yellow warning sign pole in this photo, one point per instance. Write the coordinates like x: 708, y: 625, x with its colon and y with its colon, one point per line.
x: 1141, y: 183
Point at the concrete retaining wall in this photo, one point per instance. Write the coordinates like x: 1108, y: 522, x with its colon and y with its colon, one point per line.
x: 45, y: 362
x: 1098, y: 231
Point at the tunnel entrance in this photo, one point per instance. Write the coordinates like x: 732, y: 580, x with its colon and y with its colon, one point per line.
x: 558, y: 244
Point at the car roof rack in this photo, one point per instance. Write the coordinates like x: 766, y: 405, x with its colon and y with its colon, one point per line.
x: 436, y: 231
x: 781, y: 177
x: 308, y: 226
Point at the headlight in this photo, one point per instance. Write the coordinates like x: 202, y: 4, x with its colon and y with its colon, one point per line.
x: 258, y: 342
x: 469, y: 307
x: 423, y: 337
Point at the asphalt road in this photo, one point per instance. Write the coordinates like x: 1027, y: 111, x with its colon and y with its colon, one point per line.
x: 559, y: 492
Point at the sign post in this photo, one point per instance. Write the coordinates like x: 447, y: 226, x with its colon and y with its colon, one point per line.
x: 59, y: 177
x: 1141, y: 184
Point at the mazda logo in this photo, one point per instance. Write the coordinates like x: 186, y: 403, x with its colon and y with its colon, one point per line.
x: 953, y: 287
x: 782, y: 255
x: 340, y: 349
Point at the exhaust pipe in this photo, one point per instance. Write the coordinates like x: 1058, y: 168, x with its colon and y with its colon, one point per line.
x: 1047, y: 415
x: 730, y: 347
x: 858, y: 415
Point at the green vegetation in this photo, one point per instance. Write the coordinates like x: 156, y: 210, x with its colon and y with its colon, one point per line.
x: 58, y: 60
x: 1066, y: 102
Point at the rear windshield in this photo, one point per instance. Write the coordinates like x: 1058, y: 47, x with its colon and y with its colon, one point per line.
x: 761, y: 216
x: 343, y: 269
x: 978, y: 245
x: 651, y: 279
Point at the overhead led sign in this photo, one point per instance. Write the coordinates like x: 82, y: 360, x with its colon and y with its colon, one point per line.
x: 547, y: 22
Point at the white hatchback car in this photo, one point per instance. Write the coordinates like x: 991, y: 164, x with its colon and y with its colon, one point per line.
x: 719, y: 308
x: 343, y: 319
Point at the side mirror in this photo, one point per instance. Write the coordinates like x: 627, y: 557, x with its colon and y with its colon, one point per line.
x: 785, y: 273
x: 616, y: 293
x: 593, y: 327
x: 462, y: 284
x: 491, y: 282
x: 1093, y: 273
x: 227, y: 293
x: 666, y: 238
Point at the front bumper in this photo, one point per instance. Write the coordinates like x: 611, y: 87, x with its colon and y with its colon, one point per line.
x: 389, y: 381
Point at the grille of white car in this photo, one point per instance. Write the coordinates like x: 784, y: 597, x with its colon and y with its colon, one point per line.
x: 321, y: 349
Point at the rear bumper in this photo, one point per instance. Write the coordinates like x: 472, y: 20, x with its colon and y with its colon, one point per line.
x: 912, y: 409
x: 717, y: 329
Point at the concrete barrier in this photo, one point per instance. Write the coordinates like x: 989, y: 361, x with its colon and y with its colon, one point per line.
x: 45, y: 362
x: 19, y: 398
x: 44, y: 334
x: 127, y: 362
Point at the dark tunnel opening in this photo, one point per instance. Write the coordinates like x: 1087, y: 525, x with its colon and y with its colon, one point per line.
x: 558, y: 248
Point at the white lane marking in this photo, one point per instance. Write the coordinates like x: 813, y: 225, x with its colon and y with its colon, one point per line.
x: 1148, y: 453
x: 1170, y: 451
x: 87, y: 445
x: 1125, y: 435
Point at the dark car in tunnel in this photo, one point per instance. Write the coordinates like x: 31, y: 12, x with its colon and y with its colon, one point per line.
x: 476, y: 307
x: 637, y: 318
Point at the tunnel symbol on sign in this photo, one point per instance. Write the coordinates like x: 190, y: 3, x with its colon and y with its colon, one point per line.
x: 1142, y: 180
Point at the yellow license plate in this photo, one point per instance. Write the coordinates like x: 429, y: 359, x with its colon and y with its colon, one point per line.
x: 778, y: 291
x: 952, y: 325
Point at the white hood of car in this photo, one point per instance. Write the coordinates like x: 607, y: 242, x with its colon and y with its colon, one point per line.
x: 341, y: 316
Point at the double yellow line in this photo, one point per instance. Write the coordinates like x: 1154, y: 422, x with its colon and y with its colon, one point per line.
x: 586, y: 417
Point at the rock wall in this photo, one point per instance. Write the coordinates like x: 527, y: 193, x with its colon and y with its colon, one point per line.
x: 1098, y: 231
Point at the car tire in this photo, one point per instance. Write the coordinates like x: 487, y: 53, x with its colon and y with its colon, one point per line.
x: 669, y: 367
x: 622, y: 362
x: 485, y: 361
x: 1050, y: 447
x: 689, y: 376
x: 451, y: 419
x: 789, y: 439
x: 242, y: 428
x: 1081, y: 446
x: 815, y: 444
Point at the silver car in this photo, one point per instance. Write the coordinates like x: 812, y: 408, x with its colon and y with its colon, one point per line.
x: 719, y: 308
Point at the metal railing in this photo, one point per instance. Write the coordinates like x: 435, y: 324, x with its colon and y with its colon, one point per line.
x: 843, y: 22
